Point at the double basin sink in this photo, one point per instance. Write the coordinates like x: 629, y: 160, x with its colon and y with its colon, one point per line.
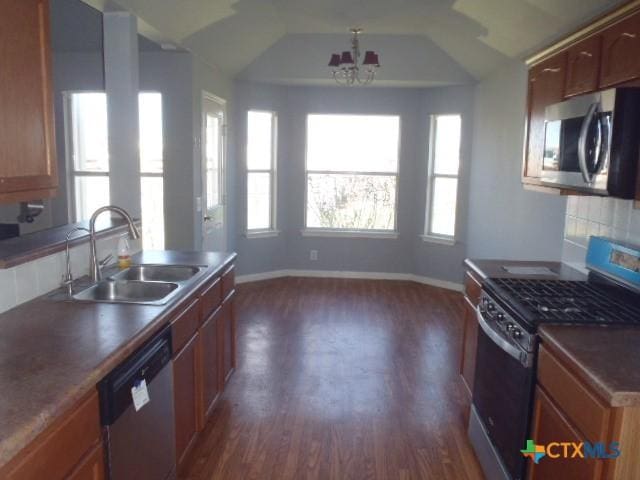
x: 141, y: 284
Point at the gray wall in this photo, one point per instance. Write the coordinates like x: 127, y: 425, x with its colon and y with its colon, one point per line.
x: 506, y: 221
x: 206, y: 78
x: 430, y: 259
x: 407, y: 253
x: 259, y: 254
x: 170, y: 74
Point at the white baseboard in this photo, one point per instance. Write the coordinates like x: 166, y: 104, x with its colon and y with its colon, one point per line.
x: 434, y: 282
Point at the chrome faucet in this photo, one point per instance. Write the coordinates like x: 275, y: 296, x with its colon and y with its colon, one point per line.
x: 67, y: 280
x: 134, y: 233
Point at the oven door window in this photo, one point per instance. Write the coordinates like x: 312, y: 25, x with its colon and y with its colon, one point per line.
x: 502, y: 395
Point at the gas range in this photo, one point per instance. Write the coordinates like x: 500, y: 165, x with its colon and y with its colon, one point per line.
x: 509, y: 313
x: 595, y: 301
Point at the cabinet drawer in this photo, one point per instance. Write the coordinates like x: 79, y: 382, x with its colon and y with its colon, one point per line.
x: 210, y: 299
x: 472, y: 288
x: 228, y: 281
x: 588, y: 413
x: 56, y: 452
x: 92, y: 467
x: 184, y: 326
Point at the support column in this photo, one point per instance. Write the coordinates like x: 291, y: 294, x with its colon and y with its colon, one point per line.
x: 121, y: 69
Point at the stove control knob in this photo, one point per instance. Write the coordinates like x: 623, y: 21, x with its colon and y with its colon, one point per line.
x: 517, y: 334
x: 510, y: 326
x: 491, y: 307
x: 500, y: 317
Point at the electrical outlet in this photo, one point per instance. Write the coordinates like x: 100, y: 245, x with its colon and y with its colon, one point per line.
x: 313, y: 255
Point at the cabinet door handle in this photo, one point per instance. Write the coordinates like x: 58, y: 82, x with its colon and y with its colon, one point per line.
x: 628, y: 35
x: 584, y: 53
x: 551, y: 70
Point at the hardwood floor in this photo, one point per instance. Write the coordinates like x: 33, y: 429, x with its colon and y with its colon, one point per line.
x: 341, y: 379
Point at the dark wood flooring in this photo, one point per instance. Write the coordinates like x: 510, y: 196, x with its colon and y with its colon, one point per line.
x: 341, y: 379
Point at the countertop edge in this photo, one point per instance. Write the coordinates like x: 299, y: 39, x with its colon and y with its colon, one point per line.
x: 11, y: 446
x: 595, y: 383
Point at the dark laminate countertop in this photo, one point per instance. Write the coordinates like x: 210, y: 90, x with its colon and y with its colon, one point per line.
x: 495, y: 269
x: 53, y: 351
x: 605, y: 358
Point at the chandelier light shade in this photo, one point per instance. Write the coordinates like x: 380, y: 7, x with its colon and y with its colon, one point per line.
x: 346, y: 68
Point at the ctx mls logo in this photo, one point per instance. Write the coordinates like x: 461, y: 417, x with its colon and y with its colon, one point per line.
x: 533, y: 451
x: 571, y: 450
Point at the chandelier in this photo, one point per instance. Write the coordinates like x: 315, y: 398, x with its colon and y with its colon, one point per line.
x: 345, y: 68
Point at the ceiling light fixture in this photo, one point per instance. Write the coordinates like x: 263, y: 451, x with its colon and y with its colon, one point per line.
x: 345, y: 68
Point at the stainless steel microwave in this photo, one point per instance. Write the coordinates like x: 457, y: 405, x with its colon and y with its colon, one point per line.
x: 591, y: 143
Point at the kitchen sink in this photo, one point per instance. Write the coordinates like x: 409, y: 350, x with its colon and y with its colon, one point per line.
x: 128, y: 291
x: 158, y: 273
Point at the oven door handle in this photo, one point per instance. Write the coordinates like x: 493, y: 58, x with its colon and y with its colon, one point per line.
x: 582, y: 142
x: 504, y: 345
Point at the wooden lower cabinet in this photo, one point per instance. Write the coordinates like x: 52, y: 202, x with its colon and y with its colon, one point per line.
x: 567, y: 409
x: 67, y: 449
x: 92, y: 467
x: 185, y: 374
x: 227, y: 335
x: 210, y: 362
x: 550, y: 425
x: 469, y: 345
x: 472, y: 290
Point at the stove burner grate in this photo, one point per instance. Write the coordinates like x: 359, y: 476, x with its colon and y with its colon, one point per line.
x: 565, y: 301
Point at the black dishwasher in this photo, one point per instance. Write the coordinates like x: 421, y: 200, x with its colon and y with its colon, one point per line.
x: 140, y: 437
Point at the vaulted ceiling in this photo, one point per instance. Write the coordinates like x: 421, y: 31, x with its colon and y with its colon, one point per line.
x: 450, y: 41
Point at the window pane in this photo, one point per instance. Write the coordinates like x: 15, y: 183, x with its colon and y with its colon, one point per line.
x: 259, y: 140
x: 447, y: 144
x: 258, y: 201
x: 443, y: 208
x: 90, y: 132
x: 353, y: 143
x: 358, y: 202
x: 213, y: 160
x: 152, y: 213
x: 150, y: 113
x: 91, y: 194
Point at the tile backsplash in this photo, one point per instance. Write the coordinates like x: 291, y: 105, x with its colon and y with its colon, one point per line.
x: 602, y: 216
x: 30, y: 280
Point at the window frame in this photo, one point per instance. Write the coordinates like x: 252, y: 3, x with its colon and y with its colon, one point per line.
x: 428, y: 235
x: 272, y: 229
x: 69, y: 137
x: 72, y: 173
x: 144, y: 174
x: 392, y: 233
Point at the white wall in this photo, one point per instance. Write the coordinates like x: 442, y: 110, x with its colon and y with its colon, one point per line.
x: 32, y: 279
x: 406, y: 60
x: 597, y: 216
x: 506, y: 221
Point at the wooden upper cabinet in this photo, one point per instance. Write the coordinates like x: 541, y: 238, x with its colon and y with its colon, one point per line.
x: 621, y: 52
x: 546, y: 86
x: 28, y: 166
x: 583, y: 66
